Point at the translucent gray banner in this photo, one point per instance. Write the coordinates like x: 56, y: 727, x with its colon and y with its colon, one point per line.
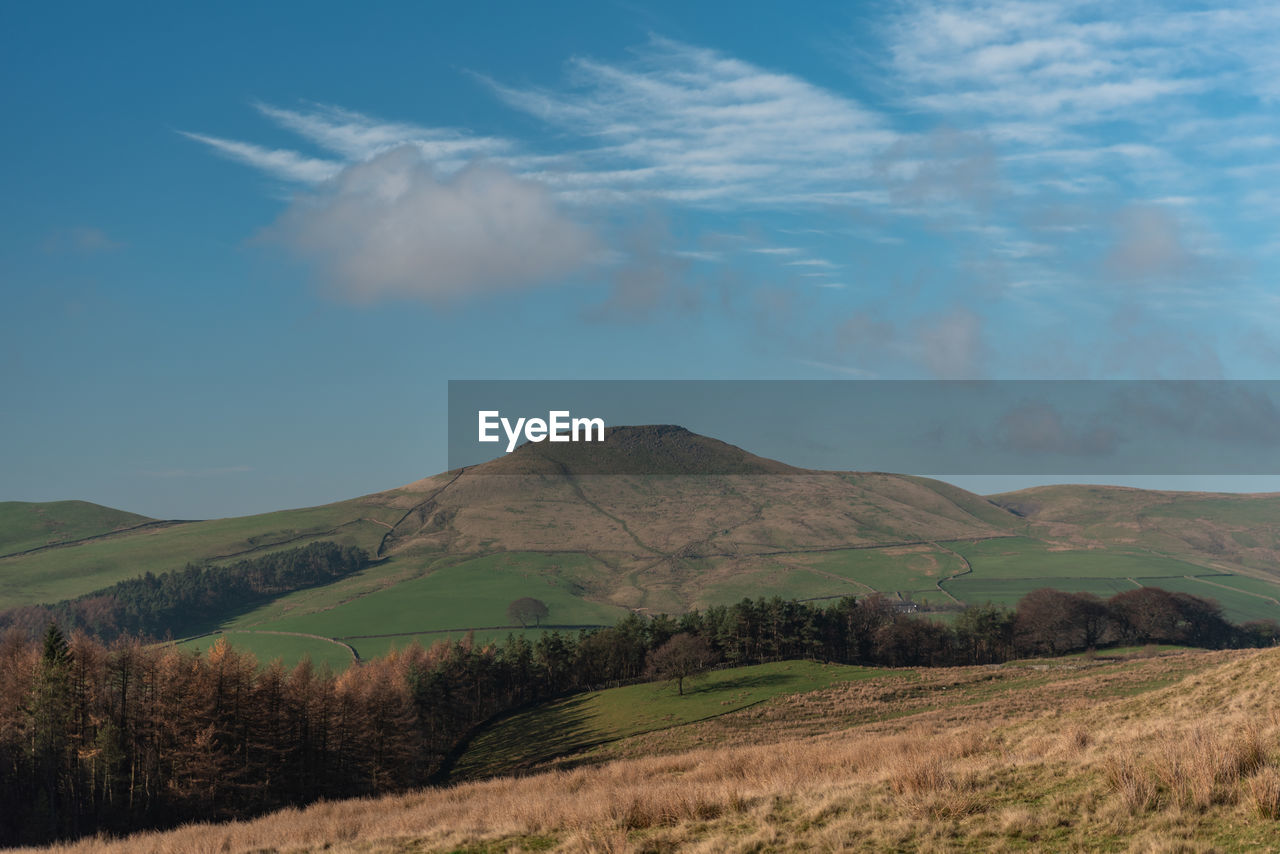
x: 1030, y: 427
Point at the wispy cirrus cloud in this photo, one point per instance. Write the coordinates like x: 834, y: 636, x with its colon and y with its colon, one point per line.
x: 356, y: 137
x: 280, y: 163
x: 690, y: 124
x: 1053, y: 159
x: 678, y: 124
x: 1037, y: 66
x: 1087, y: 84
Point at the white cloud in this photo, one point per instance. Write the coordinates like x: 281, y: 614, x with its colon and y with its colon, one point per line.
x: 280, y: 163
x: 394, y: 228
x: 1072, y: 62
x: 358, y: 137
x: 1005, y: 134
x: 679, y: 124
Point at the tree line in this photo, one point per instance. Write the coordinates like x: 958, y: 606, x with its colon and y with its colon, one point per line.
x: 113, y: 737
x: 190, y: 600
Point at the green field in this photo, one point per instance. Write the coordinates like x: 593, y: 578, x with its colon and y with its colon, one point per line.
x: 474, y: 593
x: 69, y: 571
x: 1249, y: 585
x: 1020, y: 557
x: 371, y: 579
x: 1237, y: 605
x: 267, y: 648
x: 788, y: 582
x: 586, y: 720
x: 1232, y: 592
x: 841, y: 572
x: 888, y: 570
x: 28, y: 525
x: 1007, y: 591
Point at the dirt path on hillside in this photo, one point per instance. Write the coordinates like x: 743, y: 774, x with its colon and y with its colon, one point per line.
x: 421, y: 505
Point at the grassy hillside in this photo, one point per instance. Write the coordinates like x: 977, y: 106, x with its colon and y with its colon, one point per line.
x: 473, y: 593
x: 63, y: 572
x: 26, y: 525
x: 1111, y: 756
x: 453, y: 550
x: 267, y: 647
x: 1224, y: 531
x: 585, y: 722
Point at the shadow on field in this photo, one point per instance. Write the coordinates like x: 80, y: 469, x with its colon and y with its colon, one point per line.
x: 703, y: 685
x: 531, y: 739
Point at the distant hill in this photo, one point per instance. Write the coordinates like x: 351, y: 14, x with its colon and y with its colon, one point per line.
x: 643, y: 450
x: 26, y: 525
x: 675, y: 495
x: 685, y: 521
x: 1230, y: 531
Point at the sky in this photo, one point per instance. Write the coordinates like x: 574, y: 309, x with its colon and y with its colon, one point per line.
x: 244, y: 248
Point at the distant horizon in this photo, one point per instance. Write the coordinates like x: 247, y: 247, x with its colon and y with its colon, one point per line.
x: 977, y: 484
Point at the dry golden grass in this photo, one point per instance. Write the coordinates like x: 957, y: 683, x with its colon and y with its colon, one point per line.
x: 1059, y: 760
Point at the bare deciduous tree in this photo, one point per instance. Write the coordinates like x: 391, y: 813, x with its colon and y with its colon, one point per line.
x: 682, y: 657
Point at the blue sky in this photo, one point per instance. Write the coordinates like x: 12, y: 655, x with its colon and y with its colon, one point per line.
x: 242, y: 253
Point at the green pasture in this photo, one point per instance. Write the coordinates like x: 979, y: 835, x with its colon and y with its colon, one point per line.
x: 267, y: 648
x: 884, y: 570
x: 65, y: 572
x: 1007, y: 591
x: 31, y: 525
x: 1021, y: 557
x: 1237, y: 606
x: 473, y: 593
x: 586, y: 720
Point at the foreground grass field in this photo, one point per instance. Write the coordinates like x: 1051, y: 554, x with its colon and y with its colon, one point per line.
x: 1045, y: 756
x: 585, y: 722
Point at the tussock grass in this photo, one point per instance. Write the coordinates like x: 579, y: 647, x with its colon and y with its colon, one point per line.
x: 1192, y: 767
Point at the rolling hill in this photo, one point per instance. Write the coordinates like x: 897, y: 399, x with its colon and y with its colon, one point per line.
x: 1113, y: 755
x: 28, y: 526
x: 713, y: 525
